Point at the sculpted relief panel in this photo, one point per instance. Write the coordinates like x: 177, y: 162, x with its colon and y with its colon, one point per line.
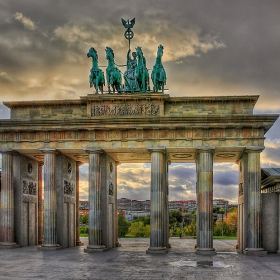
x: 130, y: 109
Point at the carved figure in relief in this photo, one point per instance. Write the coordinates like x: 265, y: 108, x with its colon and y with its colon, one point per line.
x: 158, y: 73
x: 96, y: 77
x: 141, y: 72
x: 113, y: 74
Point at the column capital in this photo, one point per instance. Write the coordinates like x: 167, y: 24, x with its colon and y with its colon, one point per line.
x: 157, y: 149
x: 79, y: 163
x: 254, y: 149
x: 40, y: 163
x: 7, y: 151
x: 49, y: 151
x: 94, y: 150
x: 205, y: 149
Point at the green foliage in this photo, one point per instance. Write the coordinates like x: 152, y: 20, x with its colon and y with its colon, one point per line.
x: 84, y: 230
x: 216, y: 209
x: 84, y: 219
x: 190, y: 230
x: 175, y: 218
x: 144, y: 219
x: 123, y: 225
x: 138, y: 229
x: 228, y: 226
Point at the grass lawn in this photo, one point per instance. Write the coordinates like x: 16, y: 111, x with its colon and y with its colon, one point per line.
x: 225, y: 237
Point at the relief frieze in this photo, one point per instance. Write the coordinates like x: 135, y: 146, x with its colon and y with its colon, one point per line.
x: 69, y: 188
x: 137, y: 109
x: 29, y: 187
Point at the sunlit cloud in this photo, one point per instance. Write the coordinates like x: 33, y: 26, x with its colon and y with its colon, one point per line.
x: 27, y: 22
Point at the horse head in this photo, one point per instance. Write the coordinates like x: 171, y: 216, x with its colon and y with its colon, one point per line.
x: 139, y: 51
x: 109, y: 53
x: 160, y: 51
x: 92, y: 53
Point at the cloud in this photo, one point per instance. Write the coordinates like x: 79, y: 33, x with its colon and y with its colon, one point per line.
x: 27, y: 22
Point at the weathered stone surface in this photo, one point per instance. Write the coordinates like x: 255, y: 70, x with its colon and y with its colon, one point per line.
x: 7, y: 238
x: 205, y: 200
x: 158, y: 238
x: 270, y: 221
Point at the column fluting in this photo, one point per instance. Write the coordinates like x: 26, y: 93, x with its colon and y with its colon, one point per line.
x: 204, y: 161
x: 158, y: 235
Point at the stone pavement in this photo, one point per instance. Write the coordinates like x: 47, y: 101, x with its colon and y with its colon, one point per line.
x: 131, y: 262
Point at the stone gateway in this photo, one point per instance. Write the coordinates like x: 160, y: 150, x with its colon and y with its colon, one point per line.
x: 105, y: 130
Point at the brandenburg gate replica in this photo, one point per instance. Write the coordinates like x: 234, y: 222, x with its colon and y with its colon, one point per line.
x: 128, y: 123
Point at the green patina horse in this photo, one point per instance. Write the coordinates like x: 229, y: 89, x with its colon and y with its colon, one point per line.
x: 141, y: 72
x: 113, y: 74
x: 96, y: 77
x: 158, y: 73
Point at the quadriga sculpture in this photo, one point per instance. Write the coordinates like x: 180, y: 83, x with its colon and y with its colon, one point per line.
x: 158, y: 73
x: 96, y: 77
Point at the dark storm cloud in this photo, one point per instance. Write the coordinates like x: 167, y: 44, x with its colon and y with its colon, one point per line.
x: 225, y: 178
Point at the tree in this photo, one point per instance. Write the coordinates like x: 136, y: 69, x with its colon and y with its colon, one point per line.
x: 231, y: 220
x: 123, y: 225
x: 84, y: 219
x: 144, y: 219
x: 175, y: 220
x: 138, y: 229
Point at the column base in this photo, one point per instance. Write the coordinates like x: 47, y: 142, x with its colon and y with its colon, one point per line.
x: 157, y: 250
x: 205, y: 251
x: 49, y: 247
x: 79, y: 243
x: 255, y: 252
x: 9, y: 245
x: 95, y: 249
x: 278, y: 252
x: 40, y: 242
x: 118, y: 244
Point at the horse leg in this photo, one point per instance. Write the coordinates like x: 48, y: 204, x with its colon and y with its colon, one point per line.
x: 96, y: 85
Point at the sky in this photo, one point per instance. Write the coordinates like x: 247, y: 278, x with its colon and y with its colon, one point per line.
x: 213, y: 47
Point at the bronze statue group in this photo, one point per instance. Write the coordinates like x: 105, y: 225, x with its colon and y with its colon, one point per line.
x: 136, y: 76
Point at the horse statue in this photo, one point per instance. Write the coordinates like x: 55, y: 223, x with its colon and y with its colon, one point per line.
x: 113, y: 74
x: 96, y: 77
x: 158, y: 73
x: 141, y: 72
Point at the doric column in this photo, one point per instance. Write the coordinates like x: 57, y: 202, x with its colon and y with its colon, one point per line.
x: 40, y: 203
x: 95, y: 211
x: 204, y: 162
x: 50, y: 204
x: 254, y: 245
x: 7, y: 202
x: 78, y: 242
x: 117, y: 243
x: 158, y: 237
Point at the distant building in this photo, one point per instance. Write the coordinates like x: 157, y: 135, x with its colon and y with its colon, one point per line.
x: 83, y: 207
x: 183, y: 205
x: 134, y: 205
x: 222, y: 203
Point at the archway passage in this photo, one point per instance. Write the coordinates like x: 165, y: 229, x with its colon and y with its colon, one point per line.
x: 106, y: 129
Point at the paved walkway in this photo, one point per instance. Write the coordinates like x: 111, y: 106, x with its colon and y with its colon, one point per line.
x: 131, y: 262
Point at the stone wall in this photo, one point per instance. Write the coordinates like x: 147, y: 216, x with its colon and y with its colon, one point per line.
x: 25, y: 175
x: 108, y: 200
x: 66, y: 200
x: 270, y: 220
